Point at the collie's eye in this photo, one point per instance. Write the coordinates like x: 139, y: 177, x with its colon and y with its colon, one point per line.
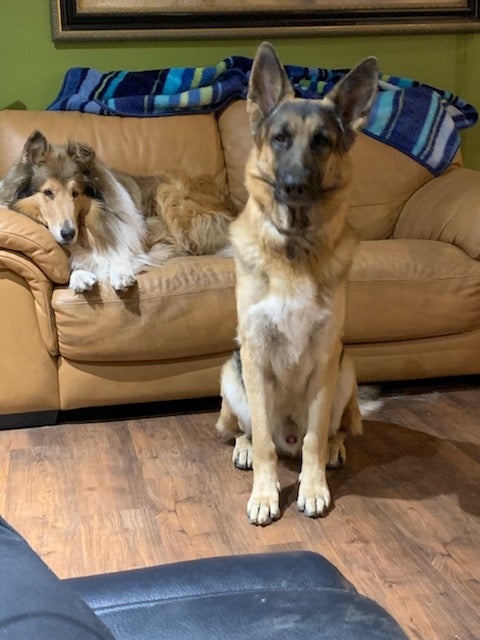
x: 75, y: 194
x: 48, y: 193
x: 89, y: 191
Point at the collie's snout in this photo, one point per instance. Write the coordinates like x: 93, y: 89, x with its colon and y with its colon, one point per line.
x: 68, y: 233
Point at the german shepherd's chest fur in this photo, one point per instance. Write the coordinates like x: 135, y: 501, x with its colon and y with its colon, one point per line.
x: 285, y: 299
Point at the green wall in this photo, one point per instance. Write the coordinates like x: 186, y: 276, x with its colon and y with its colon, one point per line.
x: 32, y: 66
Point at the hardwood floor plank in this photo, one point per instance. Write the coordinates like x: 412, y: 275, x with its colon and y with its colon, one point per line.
x: 94, y: 497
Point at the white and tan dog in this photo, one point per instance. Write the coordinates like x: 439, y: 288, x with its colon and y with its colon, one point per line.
x: 113, y: 224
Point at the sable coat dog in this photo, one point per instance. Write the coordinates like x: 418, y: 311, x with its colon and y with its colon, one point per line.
x: 86, y: 208
x: 291, y: 387
x: 113, y: 224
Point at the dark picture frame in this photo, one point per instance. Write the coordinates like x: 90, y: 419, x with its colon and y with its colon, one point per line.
x: 104, y: 20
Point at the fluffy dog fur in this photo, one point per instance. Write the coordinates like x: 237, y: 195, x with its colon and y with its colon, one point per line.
x: 113, y: 224
x: 291, y: 388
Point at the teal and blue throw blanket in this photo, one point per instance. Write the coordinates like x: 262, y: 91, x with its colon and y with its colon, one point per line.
x: 419, y: 120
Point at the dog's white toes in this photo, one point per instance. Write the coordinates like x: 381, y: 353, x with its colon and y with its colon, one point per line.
x: 337, y: 455
x: 315, y: 502
x: 263, y: 505
x: 81, y: 281
x: 122, y: 281
x: 263, y: 510
x: 243, y: 453
x: 242, y: 457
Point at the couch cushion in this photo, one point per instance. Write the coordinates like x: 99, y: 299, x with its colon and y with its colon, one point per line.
x: 183, y: 309
x: 141, y: 146
x: 383, y: 178
x: 409, y: 289
x: 397, y: 290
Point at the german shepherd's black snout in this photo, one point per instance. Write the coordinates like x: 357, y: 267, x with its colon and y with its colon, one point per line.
x: 296, y: 184
x: 293, y: 186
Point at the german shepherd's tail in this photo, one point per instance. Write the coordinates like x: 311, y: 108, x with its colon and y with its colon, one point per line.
x: 369, y: 399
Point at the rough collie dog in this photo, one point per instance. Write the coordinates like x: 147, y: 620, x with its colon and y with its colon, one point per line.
x: 113, y: 224
x: 291, y: 385
x: 87, y: 209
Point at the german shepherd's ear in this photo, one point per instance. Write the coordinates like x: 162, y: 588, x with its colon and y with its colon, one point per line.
x: 269, y: 85
x: 35, y: 148
x: 353, y: 97
x: 80, y: 152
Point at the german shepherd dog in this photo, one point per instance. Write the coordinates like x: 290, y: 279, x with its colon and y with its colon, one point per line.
x: 291, y: 388
x: 113, y: 224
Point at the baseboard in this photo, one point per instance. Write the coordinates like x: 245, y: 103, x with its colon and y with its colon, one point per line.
x: 30, y: 419
x: 108, y: 413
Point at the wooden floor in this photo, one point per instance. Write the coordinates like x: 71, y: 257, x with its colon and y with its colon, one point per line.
x: 102, y: 496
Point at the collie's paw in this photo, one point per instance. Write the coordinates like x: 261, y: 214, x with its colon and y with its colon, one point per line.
x: 263, y: 506
x: 81, y: 281
x: 314, y: 500
x: 243, y: 453
x: 121, y: 281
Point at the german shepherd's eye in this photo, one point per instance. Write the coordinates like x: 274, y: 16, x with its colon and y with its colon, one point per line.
x: 48, y: 193
x: 319, y: 140
x: 282, y: 138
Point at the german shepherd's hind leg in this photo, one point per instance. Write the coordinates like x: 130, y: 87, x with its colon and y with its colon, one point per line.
x: 234, y: 419
x: 243, y: 452
x: 346, y: 417
x: 337, y: 453
x: 228, y: 428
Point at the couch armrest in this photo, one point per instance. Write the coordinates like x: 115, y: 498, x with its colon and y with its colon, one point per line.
x: 446, y: 209
x: 21, y: 234
x: 280, y: 595
x: 40, y: 287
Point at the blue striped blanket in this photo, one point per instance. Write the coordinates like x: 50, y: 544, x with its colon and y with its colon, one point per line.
x: 419, y: 120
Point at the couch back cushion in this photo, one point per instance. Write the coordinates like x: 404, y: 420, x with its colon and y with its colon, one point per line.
x: 383, y: 178
x: 141, y: 146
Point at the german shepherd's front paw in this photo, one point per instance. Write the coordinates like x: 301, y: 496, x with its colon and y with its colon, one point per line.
x: 81, y: 280
x: 121, y: 281
x: 263, y: 506
x: 313, y: 498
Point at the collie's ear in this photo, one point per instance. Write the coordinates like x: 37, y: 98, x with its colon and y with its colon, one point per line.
x: 35, y: 148
x: 80, y: 152
x: 24, y: 190
x: 269, y: 85
x: 353, y: 97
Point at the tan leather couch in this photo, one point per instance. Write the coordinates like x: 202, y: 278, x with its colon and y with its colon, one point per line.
x: 413, y: 306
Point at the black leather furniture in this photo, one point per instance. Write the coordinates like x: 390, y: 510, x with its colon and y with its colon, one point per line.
x: 269, y: 596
